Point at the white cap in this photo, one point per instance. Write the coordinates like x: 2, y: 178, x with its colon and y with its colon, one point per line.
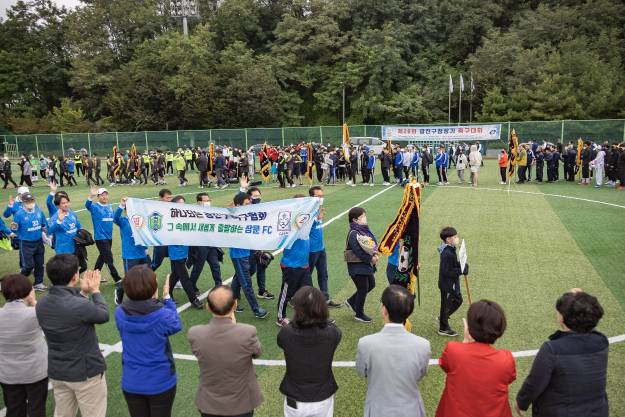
x: 101, y: 191
x: 22, y: 190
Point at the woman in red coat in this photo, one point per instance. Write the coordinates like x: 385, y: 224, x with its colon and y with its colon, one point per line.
x: 478, y: 374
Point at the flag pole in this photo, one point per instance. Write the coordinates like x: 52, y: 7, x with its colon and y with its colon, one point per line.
x: 449, y: 107
x: 466, y: 283
x: 460, y: 101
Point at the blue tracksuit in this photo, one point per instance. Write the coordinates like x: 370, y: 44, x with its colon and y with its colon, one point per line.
x: 371, y: 162
x: 398, y: 160
x: 102, y: 217
x: 129, y: 249
x: 297, y: 255
x: 64, y: 233
x: 442, y: 159
x: 70, y: 166
x: 415, y: 160
x: 178, y: 252
x: 9, y: 211
x: 4, y: 229
x: 52, y: 209
x: 316, y: 236
x: 29, y: 224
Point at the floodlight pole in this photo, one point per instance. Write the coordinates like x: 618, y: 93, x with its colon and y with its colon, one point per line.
x: 185, y: 26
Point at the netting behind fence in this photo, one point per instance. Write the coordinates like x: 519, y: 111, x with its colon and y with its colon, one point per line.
x: 102, y: 143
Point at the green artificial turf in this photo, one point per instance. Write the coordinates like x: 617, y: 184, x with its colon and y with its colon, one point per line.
x: 525, y: 246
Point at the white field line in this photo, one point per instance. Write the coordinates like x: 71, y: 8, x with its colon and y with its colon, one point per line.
x: 338, y: 364
x: 504, y: 190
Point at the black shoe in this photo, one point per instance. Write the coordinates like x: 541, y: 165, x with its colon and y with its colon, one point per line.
x: 332, y: 304
x: 363, y: 319
x: 266, y: 295
x: 239, y: 309
x: 349, y: 305
x: 197, y: 294
x: 197, y: 304
x: 447, y: 332
x: 119, y: 295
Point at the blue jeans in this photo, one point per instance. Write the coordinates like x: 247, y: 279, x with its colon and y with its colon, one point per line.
x: 319, y: 260
x: 31, y: 258
x: 261, y: 274
x: 242, y: 279
x: 129, y: 263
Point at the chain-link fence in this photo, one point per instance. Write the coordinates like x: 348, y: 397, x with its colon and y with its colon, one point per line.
x: 102, y: 143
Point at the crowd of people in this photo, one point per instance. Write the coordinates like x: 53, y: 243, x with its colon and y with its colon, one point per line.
x: 57, y: 332
x: 294, y: 165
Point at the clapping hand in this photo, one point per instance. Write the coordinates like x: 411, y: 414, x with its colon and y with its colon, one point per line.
x: 11, y: 201
x: 322, y: 213
x: 53, y: 186
x: 90, y: 282
x: 93, y: 192
x: 244, y: 182
x: 123, y: 201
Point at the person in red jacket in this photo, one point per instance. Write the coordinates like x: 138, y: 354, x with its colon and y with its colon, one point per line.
x: 503, y: 165
x: 478, y: 374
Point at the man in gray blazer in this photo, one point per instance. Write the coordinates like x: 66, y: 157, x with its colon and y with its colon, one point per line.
x: 394, y: 361
x: 224, y: 350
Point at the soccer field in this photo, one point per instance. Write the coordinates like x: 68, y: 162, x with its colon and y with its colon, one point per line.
x: 526, y: 244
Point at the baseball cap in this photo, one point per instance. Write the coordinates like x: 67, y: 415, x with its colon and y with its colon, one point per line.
x: 26, y: 197
x: 22, y: 190
x: 101, y: 191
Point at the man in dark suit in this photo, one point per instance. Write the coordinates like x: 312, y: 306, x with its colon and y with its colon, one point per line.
x: 224, y: 350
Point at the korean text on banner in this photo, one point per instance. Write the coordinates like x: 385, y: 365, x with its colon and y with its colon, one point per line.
x: 265, y: 226
x: 460, y: 133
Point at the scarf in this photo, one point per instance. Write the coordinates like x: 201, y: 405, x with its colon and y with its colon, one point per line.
x: 363, y: 231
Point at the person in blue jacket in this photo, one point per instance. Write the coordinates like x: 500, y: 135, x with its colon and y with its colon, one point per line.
x: 414, y: 164
x: 102, y: 218
x: 442, y: 160
x: 295, y: 273
x: 397, y: 165
x: 28, y: 223
x: 178, y: 255
x: 371, y: 167
x: 145, y: 323
x: 241, y: 262
x: 132, y: 254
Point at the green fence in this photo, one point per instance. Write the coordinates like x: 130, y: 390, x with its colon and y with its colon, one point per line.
x: 102, y: 143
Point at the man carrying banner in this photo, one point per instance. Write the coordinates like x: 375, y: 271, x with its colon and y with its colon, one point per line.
x: 241, y: 262
x: 317, y: 257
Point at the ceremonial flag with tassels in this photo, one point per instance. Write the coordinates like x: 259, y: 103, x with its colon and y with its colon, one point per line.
x: 404, y: 230
x: 211, y: 156
x: 578, y: 157
x: 514, y: 146
x: 116, y: 163
x: 389, y: 147
x: 265, y: 163
x: 310, y: 162
x: 345, y: 144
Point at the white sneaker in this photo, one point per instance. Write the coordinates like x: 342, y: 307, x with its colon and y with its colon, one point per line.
x: 371, y: 185
x: 502, y: 183
x: 386, y: 183
x: 348, y: 183
x: 40, y: 287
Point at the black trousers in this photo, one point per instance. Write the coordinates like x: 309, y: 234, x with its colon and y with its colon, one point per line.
x: 364, y: 284
x: 106, y: 257
x: 158, y: 255
x: 426, y: 173
x: 539, y: 172
x: 292, y: 280
x: 199, y: 256
x: 385, y: 175
x: 157, y: 405
x: 9, y: 178
x: 179, y: 273
x: 450, y: 302
x: 502, y: 173
x: 23, y: 400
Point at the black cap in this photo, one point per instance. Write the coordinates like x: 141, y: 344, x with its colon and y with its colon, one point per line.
x: 27, y: 197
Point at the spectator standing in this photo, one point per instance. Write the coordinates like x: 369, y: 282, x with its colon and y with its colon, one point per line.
x: 394, y: 360
x: 503, y: 166
x: 569, y: 374
x: 224, y: 349
x: 68, y: 317
x: 23, y: 351
x: 478, y: 375
x: 309, y: 386
x: 145, y: 324
x: 475, y: 162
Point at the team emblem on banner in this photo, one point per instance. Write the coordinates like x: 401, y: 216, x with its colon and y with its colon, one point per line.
x: 137, y: 220
x: 301, y: 219
x: 284, y: 221
x: 155, y: 221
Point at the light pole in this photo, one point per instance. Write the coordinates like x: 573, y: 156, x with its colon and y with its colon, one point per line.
x: 184, y: 9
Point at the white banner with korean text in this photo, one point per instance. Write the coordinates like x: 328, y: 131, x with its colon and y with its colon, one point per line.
x: 265, y: 226
x: 460, y: 133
